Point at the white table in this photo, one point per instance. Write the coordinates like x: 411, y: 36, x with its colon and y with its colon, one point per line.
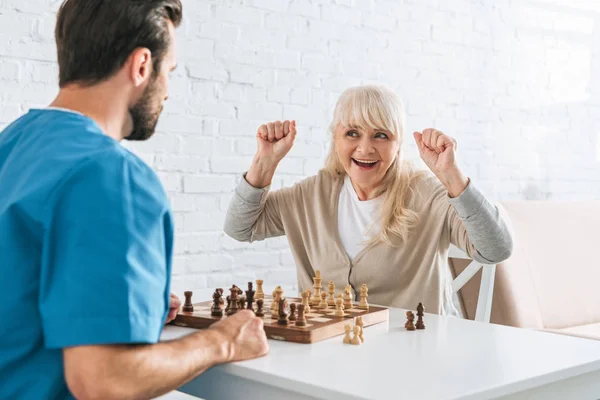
x: 451, y: 359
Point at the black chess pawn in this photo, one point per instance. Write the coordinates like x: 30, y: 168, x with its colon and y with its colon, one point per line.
x: 233, y: 299
x: 242, y: 302
x: 259, y: 308
x: 188, y: 306
x: 420, y: 313
x: 283, y: 312
x: 292, y: 312
x: 250, y: 296
x: 216, y: 310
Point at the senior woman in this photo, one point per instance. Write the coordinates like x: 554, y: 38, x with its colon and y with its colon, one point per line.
x: 368, y: 216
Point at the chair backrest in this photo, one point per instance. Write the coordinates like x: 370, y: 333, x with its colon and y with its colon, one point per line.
x: 552, y: 280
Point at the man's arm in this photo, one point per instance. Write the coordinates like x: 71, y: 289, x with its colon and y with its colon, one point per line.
x: 147, y: 371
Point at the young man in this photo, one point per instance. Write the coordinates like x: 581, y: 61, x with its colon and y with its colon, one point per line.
x: 85, y: 226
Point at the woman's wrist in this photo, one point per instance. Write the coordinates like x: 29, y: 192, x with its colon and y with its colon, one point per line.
x: 261, y: 172
x: 455, y: 182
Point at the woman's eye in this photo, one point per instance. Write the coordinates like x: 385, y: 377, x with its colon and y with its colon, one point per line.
x: 352, y: 133
x: 381, y: 135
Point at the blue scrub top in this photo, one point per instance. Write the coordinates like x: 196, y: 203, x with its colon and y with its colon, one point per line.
x: 86, y: 240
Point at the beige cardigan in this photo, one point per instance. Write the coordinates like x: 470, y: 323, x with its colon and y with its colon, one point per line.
x: 416, y: 271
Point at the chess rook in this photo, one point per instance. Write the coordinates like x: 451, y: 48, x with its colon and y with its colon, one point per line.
x: 260, y: 294
x: 188, y: 306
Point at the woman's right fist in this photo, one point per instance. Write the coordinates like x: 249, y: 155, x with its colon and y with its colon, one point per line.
x: 275, y: 140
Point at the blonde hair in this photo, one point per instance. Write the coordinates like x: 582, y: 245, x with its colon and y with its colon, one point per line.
x: 377, y: 107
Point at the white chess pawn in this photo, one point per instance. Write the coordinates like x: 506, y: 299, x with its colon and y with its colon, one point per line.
x: 347, y: 329
x: 323, y: 303
x: 339, y: 306
x: 364, y: 293
x: 355, y: 339
x: 348, y: 297
x: 305, y: 300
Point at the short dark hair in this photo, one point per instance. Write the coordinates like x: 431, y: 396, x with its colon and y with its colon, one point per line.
x: 94, y: 38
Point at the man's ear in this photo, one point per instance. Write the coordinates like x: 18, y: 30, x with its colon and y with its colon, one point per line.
x: 140, y: 66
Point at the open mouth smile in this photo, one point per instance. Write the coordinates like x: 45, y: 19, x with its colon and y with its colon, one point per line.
x: 365, y: 164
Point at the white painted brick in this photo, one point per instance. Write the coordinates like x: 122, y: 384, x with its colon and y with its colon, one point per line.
x: 247, y: 128
x: 191, y: 222
x: 224, y: 147
x: 207, y: 71
x: 305, y: 9
x: 346, y: 15
x: 170, y: 181
x: 231, y: 165
x: 179, y: 163
x: 262, y: 259
x: 287, y: 60
x: 300, y: 96
x: 278, y: 94
x: 240, y: 15
x: 208, y: 184
x: 160, y: 143
x: 253, y: 75
x: 195, y: 243
x: 175, y: 123
x: 318, y: 64
x: 10, y: 70
x: 10, y: 112
x: 380, y: 22
x: 184, y: 202
x: 267, y: 112
x: 207, y: 263
x: 196, y: 145
x: 223, y: 33
x: 271, y: 5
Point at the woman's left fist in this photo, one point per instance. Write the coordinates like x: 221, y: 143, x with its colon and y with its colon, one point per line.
x: 437, y: 150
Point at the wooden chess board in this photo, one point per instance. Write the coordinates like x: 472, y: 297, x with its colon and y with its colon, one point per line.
x: 320, y: 324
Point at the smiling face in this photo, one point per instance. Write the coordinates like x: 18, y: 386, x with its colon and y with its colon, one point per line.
x: 365, y: 153
x: 367, y: 135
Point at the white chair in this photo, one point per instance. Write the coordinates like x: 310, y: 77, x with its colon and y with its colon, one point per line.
x: 486, y: 288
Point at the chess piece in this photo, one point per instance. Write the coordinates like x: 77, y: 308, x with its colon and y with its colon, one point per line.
x: 359, y: 323
x: 233, y: 298
x: 355, y: 339
x: 283, y: 313
x: 259, y: 290
x: 292, y: 316
x: 410, y: 323
x: 316, y: 298
x: 242, y: 302
x: 364, y: 293
x: 339, y: 306
x: 277, y: 294
x: 305, y: 297
x: 331, y: 291
x: 250, y: 296
x: 228, y: 304
x: 188, y: 306
x: 259, y: 308
x: 348, y: 297
x: 420, y: 312
x: 323, y: 303
x: 301, y: 319
x: 221, y: 301
x: 216, y: 310
x: 347, y: 329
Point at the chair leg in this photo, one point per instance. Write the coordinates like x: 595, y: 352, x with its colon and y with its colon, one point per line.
x: 486, y: 292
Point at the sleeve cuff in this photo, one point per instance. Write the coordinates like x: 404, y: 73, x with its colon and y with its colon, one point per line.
x: 67, y: 332
x: 469, y: 202
x: 249, y: 194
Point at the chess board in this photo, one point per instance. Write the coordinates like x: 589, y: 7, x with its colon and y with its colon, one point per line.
x: 320, y: 324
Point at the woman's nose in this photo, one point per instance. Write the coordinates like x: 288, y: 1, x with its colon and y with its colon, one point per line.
x: 366, y: 146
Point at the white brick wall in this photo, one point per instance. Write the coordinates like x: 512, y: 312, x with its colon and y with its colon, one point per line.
x: 518, y: 85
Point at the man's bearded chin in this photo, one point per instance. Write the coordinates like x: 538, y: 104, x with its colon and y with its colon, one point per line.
x: 143, y: 119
